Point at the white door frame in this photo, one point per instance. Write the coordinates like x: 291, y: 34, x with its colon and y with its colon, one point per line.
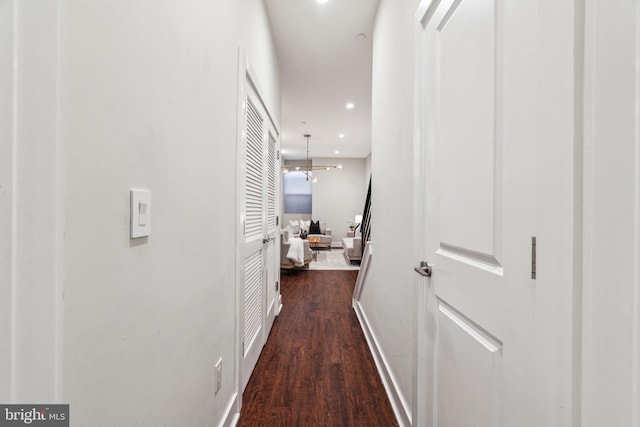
x: 247, y: 76
x: 32, y: 181
x: 611, y: 264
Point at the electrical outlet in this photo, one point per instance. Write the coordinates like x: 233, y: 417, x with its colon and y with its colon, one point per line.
x: 218, y: 376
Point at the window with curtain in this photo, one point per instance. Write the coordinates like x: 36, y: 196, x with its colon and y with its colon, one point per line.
x: 297, y: 192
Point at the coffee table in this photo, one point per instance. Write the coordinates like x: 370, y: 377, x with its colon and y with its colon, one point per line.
x: 314, y: 244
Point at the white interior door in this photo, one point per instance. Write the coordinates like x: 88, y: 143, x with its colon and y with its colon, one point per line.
x: 253, y: 276
x: 477, y: 110
x: 258, y: 275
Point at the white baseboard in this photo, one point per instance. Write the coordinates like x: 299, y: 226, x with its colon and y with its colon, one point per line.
x: 401, y: 408
x: 232, y: 415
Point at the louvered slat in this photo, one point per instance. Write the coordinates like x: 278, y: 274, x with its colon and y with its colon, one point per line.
x: 252, y: 298
x: 271, y: 185
x: 254, y: 208
x: 271, y: 261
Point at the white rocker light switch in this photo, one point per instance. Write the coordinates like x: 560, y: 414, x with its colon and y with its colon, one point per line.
x: 140, y: 213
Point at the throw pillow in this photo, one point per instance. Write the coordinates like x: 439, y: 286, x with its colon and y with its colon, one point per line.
x: 304, y: 225
x: 314, y: 227
x: 294, y: 226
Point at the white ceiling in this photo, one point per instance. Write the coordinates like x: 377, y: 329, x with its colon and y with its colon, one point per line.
x: 324, y: 65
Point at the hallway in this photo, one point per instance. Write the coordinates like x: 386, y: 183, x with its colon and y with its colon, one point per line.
x: 316, y: 368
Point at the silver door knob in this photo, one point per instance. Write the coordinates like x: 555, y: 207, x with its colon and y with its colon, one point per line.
x: 424, y: 269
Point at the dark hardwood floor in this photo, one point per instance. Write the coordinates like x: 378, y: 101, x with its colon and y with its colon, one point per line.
x: 316, y: 368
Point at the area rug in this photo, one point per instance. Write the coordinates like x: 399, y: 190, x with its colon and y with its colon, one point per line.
x: 331, y: 260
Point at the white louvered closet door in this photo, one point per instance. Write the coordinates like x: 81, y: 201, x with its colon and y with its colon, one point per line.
x: 253, y: 283
x: 259, y: 275
x: 272, y: 264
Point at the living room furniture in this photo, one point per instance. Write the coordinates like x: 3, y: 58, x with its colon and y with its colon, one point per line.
x: 285, y: 245
x: 352, y: 248
x: 325, y: 236
x: 314, y: 242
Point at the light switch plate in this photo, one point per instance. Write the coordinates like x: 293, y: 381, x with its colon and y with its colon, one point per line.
x: 140, y: 213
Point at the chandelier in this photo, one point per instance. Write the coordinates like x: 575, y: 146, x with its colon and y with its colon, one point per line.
x: 307, y: 167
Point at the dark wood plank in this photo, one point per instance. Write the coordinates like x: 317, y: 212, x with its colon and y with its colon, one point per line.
x: 316, y: 368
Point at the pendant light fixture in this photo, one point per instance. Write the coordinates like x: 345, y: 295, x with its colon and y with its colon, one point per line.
x: 308, y: 168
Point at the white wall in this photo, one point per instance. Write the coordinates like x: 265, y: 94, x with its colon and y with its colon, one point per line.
x: 261, y: 53
x: 339, y: 194
x: 387, y: 295
x: 367, y: 172
x: 110, y: 96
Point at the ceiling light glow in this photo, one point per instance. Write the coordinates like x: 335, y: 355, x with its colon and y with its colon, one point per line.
x: 350, y: 105
x: 341, y: 135
x: 336, y: 152
x: 322, y: 1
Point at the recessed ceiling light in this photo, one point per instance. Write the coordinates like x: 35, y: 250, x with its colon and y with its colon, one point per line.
x: 361, y: 36
x: 322, y: 1
x: 341, y: 135
x: 350, y: 105
x: 336, y: 152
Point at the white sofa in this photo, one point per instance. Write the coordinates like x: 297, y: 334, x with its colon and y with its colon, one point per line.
x: 325, y: 236
x: 352, y: 248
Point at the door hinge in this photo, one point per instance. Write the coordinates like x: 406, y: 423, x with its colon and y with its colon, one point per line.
x: 277, y: 286
x: 278, y: 220
x: 244, y: 227
x: 278, y: 155
x: 533, y: 258
x: 243, y: 348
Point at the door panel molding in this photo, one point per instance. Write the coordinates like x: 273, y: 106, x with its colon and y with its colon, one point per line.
x: 465, y: 125
x: 475, y: 259
x: 491, y: 343
x: 471, y: 395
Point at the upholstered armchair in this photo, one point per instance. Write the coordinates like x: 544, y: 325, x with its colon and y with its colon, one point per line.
x: 285, y: 245
x: 352, y: 248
